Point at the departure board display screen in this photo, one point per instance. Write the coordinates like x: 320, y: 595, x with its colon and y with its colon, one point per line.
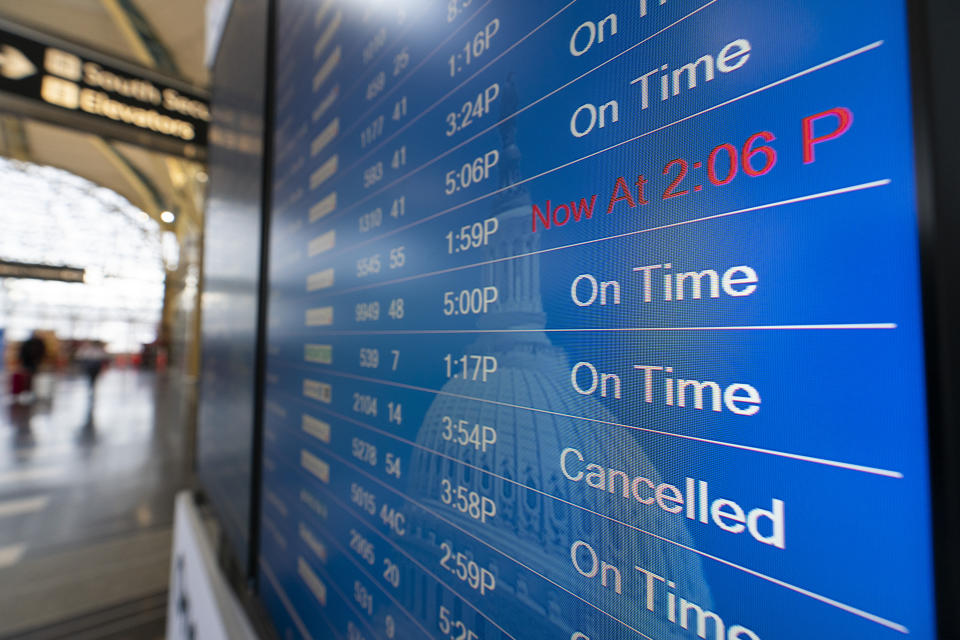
x: 595, y: 320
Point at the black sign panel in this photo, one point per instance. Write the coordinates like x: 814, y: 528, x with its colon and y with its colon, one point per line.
x: 69, y: 86
x: 40, y: 271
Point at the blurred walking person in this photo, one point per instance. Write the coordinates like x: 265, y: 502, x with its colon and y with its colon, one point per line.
x: 91, y: 356
x: 32, y: 352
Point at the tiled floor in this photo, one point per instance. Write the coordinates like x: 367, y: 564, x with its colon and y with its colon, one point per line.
x: 86, y: 500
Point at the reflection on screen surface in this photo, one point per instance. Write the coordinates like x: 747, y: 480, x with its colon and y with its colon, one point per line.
x: 594, y: 320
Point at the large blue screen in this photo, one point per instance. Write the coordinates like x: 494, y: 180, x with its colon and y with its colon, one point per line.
x: 594, y: 320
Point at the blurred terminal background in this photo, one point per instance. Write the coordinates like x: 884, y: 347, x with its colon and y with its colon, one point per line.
x: 101, y: 254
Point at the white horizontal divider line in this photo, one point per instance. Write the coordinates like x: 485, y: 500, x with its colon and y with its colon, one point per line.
x: 753, y: 572
x: 770, y: 205
x: 864, y: 326
x: 782, y: 454
x: 767, y: 87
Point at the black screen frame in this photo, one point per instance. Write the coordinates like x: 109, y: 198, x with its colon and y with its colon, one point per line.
x: 263, y: 301
x: 241, y: 568
x: 933, y: 29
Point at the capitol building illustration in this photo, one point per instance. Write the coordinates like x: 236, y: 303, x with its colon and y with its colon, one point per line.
x: 534, y: 528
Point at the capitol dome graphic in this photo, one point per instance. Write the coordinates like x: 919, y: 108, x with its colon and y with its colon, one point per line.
x: 530, y: 527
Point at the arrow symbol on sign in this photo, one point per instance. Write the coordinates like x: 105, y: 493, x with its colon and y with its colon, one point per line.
x: 15, y: 65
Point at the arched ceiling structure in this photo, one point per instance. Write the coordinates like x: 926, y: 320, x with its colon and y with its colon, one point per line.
x: 168, y: 36
x: 143, y: 32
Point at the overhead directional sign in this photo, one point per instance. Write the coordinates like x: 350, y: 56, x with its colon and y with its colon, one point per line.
x: 14, y: 65
x: 32, y: 271
x: 44, y: 78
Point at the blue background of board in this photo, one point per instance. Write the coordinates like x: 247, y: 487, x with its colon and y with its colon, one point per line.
x: 834, y: 243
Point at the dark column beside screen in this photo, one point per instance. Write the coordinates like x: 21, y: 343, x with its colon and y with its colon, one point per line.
x: 232, y: 274
x: 595, y: 320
